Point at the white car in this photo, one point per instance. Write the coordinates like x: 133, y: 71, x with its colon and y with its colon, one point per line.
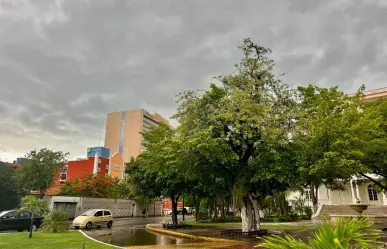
x: 94, y: 218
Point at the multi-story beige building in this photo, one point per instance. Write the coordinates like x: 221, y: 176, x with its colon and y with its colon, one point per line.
x: 123, y: 131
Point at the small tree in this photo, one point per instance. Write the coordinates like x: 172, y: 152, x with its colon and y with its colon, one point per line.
x: 56, y: 222
x: 33, y: 206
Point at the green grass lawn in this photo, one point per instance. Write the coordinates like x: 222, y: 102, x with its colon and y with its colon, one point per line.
x: 239, y: 225
x: 68, y: 240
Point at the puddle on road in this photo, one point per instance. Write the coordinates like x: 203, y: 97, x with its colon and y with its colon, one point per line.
x: 139, y: 237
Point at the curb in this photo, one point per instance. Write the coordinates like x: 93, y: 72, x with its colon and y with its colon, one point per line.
x: 187, y: 236
x: 100, y: 242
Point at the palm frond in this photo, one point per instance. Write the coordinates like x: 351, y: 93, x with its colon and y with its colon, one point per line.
x: 347, y: 233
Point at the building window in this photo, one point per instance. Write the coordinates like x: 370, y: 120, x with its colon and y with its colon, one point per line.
x: 372, y: 194
x: 63, y: 177
x: 107, y: 166
x: 65, y: 168
x: 116, y: 167
x: 122, y: 133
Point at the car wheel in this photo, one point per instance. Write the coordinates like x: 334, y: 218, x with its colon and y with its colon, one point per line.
x: 109, y: 224
x: 89, y: 225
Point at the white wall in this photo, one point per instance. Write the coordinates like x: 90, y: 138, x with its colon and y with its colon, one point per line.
x: 119, y: 207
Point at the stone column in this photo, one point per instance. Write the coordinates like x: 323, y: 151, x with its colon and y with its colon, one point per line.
x: 384, y: 198
x: 352, y: 192
x: 357, y: 191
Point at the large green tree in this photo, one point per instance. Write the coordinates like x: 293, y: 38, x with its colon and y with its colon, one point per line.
x: 251, y: 112
x: 209, y: 170
x: 372, y: 133
x: 37, y: 172
x: 160, y: 170
x: 325, y: 140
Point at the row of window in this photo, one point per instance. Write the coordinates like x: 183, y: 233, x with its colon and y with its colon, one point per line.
x: 372, y: 193
x: 116, y: 167
x: 63, y: 175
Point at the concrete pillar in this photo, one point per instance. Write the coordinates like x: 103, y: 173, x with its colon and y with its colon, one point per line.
x: 357, y: 192
x: 352, y: 192
x: 384, y: 198
x: 96, y: 159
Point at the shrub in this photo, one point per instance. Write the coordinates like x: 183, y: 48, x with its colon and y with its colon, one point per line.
x: 203, y: 215
x: 56, y: 221
x: 286, y: 218
x: 308, y: 212
x: 345, y: 235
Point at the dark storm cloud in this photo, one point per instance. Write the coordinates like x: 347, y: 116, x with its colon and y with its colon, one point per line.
x: 65, y: 64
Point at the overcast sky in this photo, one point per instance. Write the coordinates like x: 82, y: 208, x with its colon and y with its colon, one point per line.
x: 65, y: 64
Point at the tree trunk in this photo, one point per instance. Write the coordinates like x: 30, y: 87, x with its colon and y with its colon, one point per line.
x: 31, y: 225
x: 282, y: 200
x: 215, y: 209
x: 256, y: 212
x: 234, y: 202
x: 41, y: 194
x: 174, y: 208
x: 314, y: 197
x: 197, y: 207
x: 183, y: 210
x: 222, y: 211
x: 247, y: 215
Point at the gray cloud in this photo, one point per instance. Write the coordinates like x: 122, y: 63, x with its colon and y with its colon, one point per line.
x: 65, y: 64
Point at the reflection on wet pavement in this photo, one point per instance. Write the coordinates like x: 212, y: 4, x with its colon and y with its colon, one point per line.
x: 138, y: 237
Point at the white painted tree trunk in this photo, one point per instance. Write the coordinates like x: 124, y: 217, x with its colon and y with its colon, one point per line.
x: 256, y: 212
x: 247, y: 216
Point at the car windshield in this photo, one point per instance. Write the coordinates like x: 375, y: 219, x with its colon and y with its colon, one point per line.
x: 3, y: 213
x: 89, y: 213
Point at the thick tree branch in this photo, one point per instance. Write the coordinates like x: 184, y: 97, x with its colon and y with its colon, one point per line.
x: 374, y: 181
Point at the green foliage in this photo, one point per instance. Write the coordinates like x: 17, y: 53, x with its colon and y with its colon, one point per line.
x: 299, y: 205
x: 160, y: 170
x: 56, y: 221
x: 250, y: 116
x: 34, y: 206
x: 324, y: 139
x: 98, y: 186
x: 308, y: 212
x: 372, y: 130
x: 8, y: 188
x: 37, y: 172
x: 346, y: 234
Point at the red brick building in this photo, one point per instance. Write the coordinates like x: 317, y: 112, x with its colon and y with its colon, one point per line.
x: 75, y: 169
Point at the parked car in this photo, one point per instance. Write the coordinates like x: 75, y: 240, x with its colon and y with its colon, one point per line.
x: 94, y: 218
x: 12, y: 220
x: 190, y: 210
x: 179, y: 211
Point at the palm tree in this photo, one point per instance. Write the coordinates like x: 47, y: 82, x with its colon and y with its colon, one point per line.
x: 347, y: 234
x: 34, y: 206
x: 57, y: 221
